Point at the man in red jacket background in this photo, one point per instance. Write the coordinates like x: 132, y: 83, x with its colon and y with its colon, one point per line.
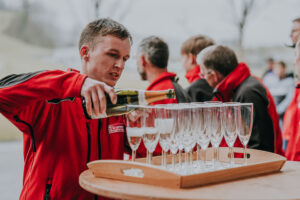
x: 152, y: 63
x: 199, y: 90
x: 47, y: 107
x: 232, y: 81
x: 291, y: 123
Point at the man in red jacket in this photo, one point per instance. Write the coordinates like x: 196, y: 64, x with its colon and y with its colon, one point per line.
x: 199, y: 90
x: 47, y: 107
x: 232, y: 81
x: 152, y: 62
x: 291, y: 123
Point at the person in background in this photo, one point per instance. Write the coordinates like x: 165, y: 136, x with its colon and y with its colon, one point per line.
x: 199, y: 90
x: 295, y: 32
x: 282, y: 90
x: 47, y: 107
x: 291, y: 121
x: 270, y: 64
x: 269, y: 77
x: 232, y: 81
x: 152, y: 65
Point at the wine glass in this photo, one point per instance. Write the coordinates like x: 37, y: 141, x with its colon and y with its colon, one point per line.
x: 245, y: 122
x: 216, y: 111
x: 151, y: 134
x: 174, y: 137
x: 186, y: 119
x: 201, y: 135
x: 231, y: 112
x: 164, y: 123
x: 134, y: 130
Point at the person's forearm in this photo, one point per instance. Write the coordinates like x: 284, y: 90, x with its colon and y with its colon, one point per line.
x: 17, y: 91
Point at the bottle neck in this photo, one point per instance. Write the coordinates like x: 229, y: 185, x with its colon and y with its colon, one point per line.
x: 153, y: 96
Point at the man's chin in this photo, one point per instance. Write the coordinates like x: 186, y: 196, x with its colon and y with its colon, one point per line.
x: 110, y: 83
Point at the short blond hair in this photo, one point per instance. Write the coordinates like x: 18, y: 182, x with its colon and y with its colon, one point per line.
x: 196, y: 44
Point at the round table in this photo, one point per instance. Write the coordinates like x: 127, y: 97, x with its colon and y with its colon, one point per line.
x: 282, y: 185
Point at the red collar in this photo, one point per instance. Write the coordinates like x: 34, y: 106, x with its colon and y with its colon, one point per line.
x: 162, y: 76
x: 224, y: 90
x: 193, y: 74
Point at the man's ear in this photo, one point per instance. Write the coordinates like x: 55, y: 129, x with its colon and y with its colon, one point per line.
x: 143, y: 60
x: 218, y: 76
x: 84, y: 53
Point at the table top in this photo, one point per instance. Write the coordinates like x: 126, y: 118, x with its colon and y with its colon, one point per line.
x: 282, y: 185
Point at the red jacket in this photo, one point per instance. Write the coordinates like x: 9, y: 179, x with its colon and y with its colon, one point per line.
x: 240, y: 86
x: 162, y: 82
x: 291, y: 127
x: 193, y: 74
x: 58, y: 139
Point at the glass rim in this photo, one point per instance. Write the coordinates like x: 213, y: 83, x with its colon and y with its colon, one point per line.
x: 139, y: 106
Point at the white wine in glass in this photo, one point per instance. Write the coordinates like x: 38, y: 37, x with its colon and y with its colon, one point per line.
x: 134, y: 136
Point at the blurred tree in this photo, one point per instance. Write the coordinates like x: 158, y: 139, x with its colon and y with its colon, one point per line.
x: 97, y: 4
x: 241, y: 11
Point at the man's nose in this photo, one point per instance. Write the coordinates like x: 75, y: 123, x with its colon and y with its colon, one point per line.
x: 120, y: 64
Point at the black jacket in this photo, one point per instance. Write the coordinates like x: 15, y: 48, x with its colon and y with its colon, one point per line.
x: 200, y: 91
x: 251, y: 90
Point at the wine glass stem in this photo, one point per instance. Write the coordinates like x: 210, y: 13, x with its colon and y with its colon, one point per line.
x: 245, y: 155
x: 204, y: 158
x: 231, y: 156
x: 164, y: 158
x: 191, y: 158
x: 186, y: 159
x: 150, y: 158
x: 215, y: 156
x: 133, y: 156
x: 198, y: 153
x: 173, y: 161
x: 179, y: 158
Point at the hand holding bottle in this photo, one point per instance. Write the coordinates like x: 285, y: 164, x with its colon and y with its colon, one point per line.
x: 93, y: 92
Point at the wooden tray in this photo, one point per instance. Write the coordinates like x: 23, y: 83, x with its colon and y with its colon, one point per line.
x: 260, y: 162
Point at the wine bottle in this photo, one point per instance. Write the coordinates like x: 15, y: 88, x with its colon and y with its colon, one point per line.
x: 126, y: 97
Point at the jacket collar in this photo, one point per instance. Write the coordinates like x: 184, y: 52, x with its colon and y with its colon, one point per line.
x: 193, y: 74
x: 162, y: 76
x: 224, y: 90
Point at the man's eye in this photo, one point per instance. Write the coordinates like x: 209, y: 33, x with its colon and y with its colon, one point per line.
x: 113, y: 55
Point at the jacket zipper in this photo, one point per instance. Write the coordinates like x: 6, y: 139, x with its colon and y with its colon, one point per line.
x: 99, y: 139
x: 89, y: 142
x: 30, y: 129
x: 47, y: 191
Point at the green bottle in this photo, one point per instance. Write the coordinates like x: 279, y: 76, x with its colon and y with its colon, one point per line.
x: 130, y: 97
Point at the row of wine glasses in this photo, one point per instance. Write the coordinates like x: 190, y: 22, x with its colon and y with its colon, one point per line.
x: 183, y: 126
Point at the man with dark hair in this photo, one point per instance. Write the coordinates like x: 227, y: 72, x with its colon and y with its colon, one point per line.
x: 295, y: 32
x: 199, y: 90
x: 291, y: 125
x: 47, y: 107
x: 232, y: 81
x: 152, y: 62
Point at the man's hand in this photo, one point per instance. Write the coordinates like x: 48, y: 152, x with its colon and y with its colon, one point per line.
x: 94, y: 93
